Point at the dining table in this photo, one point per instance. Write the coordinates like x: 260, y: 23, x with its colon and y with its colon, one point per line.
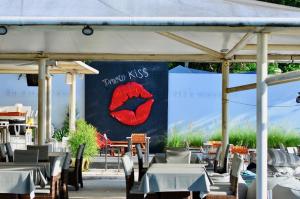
x: 284, y: 186
x: 21, y: 178
x: 162, y: 177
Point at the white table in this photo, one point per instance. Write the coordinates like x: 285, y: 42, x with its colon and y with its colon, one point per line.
x: 175, y: 178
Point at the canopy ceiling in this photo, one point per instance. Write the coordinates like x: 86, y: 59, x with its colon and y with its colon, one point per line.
x: 60, y: 67
x: 185, y: 30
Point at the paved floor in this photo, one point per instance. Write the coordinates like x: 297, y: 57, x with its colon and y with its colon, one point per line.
x: 100, y: 189
x: 100, y: 183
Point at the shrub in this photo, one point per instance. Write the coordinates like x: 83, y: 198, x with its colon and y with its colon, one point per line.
x: 85, y: 133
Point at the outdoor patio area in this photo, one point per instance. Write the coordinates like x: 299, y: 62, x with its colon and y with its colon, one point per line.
x: 139, y: 99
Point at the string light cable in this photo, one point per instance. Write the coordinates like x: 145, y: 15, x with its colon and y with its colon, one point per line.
x: 270, y: 106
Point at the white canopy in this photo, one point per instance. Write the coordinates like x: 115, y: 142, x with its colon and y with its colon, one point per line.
x: 186, y: 30
x: 60, y: 67
x: 158, y: 30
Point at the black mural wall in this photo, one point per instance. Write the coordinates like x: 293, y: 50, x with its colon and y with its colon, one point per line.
x: 109, y: 110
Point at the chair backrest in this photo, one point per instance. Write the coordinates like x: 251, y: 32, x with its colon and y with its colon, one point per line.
x: 67, y: 161
x: 26, y: 156
x: 237, y: 163
x: 43, y: 151
x: 291, y: 150
x: 138, y: 138
x: 129, y: 172
x: 217, y: 158
x: 9, y: 152
x: 80, y: 151
x: 224, y: 163
x: 139, y: 155
x: 282, y: 147
x: 2, y: 153
x: 79, y: 158
x: 57, y: 164
x: 178, y: 157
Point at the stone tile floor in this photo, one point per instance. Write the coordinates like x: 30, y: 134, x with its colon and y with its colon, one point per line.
x: 100, y: 184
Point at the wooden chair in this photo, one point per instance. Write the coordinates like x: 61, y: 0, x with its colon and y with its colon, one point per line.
x: 228, y: 190
x: 64, y: 192
x: 9, y: 152
x: 138, y: 138
x: 26, y: 156
x: 142, y: 167
x: 43, y: 151
x: 75, y: 173
x: 2, y: 153
x: 132, y: 191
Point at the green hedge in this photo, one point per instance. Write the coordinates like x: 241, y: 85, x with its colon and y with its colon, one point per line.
x: 238, y: 136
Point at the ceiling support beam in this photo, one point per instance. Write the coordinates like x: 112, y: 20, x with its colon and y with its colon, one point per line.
x: 191, y: 44
x: 271, y: 81
x: 241, y: 88
x: 278, y: 47
x: 283, y: 78
x: 288, y: 58
x: 240, y: 45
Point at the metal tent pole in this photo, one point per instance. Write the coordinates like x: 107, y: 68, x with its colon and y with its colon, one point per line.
x: 225, y: 80
x: 72, y: 103
x: 42, y: 102
x: 49, y: 105
x: 261, y: 115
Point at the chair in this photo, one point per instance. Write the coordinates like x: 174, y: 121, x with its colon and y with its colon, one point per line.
x: 9, y: 151
x: 137, y: 138
x: 282, y: 147
x: 228, y: 190
x: 26, y: 156
x: 75, y: 173
x: 292, y: 150
x: 64, y: 193
x: 51, y: 191
x: 2, y: 153
x: 132, y: 191
x: 43, y: 151
x: 142, y: 168
x: 224, y: 164
x: 217, y: 159
x: 178, y: 157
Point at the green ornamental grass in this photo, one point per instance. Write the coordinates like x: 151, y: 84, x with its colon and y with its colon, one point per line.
x: 85, y: 133
x: 241, y: 136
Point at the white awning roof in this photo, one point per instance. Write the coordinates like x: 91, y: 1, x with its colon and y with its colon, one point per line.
x: 162, y: 30
x: 60, y: 67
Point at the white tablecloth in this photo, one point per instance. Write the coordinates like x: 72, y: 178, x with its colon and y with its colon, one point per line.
x: 175, y: 178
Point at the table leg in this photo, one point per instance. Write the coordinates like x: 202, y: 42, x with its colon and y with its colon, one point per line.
x: 105, y: 155
x: 118, y: 159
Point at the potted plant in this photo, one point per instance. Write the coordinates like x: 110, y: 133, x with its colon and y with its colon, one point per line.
x: 85, y: 133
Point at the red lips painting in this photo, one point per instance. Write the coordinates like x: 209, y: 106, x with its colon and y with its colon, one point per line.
x: 121, y: 95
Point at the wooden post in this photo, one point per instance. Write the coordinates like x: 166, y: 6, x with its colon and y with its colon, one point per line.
x: 261, y: 115
x: 49, y: 106
x: 225, y: 81
x: 42, y: 102
x: 72, y: 103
